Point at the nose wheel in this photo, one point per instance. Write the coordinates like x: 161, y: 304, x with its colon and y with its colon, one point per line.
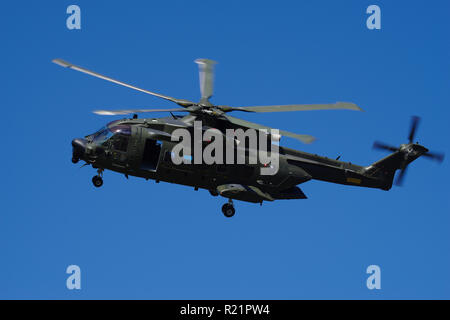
x: 228, y: 209
x: 98, y: 180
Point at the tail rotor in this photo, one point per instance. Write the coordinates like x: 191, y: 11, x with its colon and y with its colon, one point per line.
x: 409, y: 152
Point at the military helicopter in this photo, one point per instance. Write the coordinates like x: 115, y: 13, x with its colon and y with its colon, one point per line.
x: 143, y: 148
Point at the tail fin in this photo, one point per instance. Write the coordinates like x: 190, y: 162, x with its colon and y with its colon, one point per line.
x: 384, y: 169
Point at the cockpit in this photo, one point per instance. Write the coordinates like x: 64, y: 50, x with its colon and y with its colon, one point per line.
x: 109, y: 143
x: 119, y: 132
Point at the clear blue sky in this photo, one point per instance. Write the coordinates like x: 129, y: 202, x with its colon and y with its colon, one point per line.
x: 137, y: 239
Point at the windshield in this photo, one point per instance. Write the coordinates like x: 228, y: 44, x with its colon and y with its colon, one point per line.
x: 102, y: 135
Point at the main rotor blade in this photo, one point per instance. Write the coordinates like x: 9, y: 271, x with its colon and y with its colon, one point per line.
x: 206, y: 74
x: 434, y: 156
x: 383, y: 146
x: 297, y: 107
x: 119, y: 112
x: 412, y: 132
x: 65, y: 64
x: 302, y: 137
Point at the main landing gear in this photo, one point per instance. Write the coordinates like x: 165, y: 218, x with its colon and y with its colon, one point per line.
x: 98, y: 180
x: 228, y: 209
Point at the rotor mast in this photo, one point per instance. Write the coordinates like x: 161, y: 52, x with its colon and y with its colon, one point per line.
x: 206, y: 77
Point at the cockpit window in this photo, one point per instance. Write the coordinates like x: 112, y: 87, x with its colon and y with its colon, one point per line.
x: 122, y: 129
x: 96, y: 133
x: 102, y: 135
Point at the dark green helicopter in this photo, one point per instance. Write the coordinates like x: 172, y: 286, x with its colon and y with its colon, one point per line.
x: 143, y: 148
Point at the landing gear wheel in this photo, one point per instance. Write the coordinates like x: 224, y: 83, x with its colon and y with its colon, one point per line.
x: 97, y: 181
x: 228, y: 210
x: 75, y: 160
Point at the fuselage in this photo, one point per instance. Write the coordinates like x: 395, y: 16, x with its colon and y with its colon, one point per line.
x: 143, y: 148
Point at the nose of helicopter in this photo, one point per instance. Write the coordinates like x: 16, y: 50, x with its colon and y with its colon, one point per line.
x: 79, y: 147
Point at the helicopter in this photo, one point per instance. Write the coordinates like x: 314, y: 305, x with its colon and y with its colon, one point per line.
x: 143, y: 147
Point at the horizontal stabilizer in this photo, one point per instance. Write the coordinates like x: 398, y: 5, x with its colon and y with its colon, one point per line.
x: 290, y: 193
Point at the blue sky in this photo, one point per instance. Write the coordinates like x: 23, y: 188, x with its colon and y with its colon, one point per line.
x: 134, y: 239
